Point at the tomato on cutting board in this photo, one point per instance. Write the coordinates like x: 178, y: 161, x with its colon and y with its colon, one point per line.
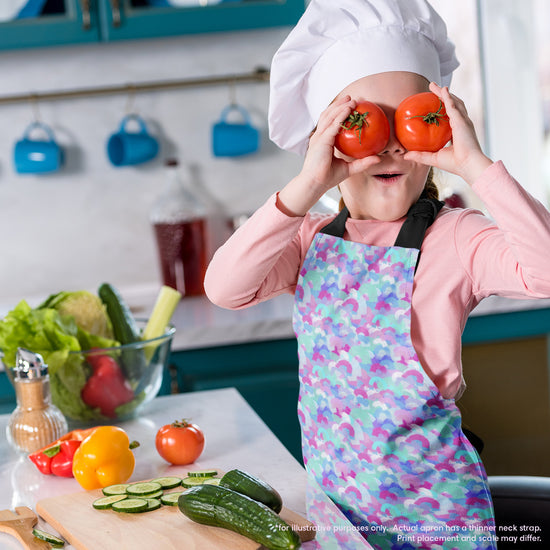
x: 365, y: 132
x: 421, y: 123
x: 180, y: 442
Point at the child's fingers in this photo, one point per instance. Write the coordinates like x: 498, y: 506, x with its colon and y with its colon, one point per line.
x: 360, y: 165
x: 422, y: 157
x: 335, y: 113
x: 435, y: 89
x: 453, y: 104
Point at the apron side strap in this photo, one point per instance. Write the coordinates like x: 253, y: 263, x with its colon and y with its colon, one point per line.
x: 337, y: 226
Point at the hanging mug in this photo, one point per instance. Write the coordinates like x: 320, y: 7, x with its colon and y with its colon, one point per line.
x: 37, y: 156
x: 126, y: 148
x: 231, y: 139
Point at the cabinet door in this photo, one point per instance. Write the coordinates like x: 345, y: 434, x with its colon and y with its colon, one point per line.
x: 130, y: 19
x: 54, y: 23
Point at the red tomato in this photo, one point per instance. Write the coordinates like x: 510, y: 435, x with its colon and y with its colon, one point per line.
x: 421, y: 123
x: 365, y: 132
x: 180, y: 442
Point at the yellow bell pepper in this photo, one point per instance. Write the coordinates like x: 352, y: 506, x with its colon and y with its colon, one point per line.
x: 104, y: 458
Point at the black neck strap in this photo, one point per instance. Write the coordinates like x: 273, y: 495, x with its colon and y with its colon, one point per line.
x: 419, y: 217
x: 411, y: 235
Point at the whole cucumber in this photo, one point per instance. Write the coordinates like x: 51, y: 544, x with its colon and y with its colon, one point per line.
x: 125, y: 330
x: 252, y: 487
x: 222, y: 507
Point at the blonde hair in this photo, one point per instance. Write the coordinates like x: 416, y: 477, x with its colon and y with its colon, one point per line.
x: 430, y: 189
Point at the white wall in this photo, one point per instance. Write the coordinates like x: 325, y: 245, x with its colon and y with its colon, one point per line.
x: 89, y: 223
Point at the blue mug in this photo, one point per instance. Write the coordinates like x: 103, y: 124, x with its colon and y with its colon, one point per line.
x: 231, y: 139
x: 37, y: 156
x: 126, y: 148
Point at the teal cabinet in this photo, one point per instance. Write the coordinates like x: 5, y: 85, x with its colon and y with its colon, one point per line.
x: 265, y: 373
x: 156, y: 18
x: 7, y: 394
x: 62, y: 22
x: 80, y: 21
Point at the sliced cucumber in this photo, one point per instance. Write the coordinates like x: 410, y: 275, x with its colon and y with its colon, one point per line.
x: 103, y: 503
x: 119, y: 489
x: 193, y: 481
x: 156, y: 494
x: 171, y: 499
x: 167, y: 482
x: 48, y: 537
x: 152, y: 504
x: 203, y: 473
x: 212, y: 481
x: 130, y: 505
x: 143, y: 489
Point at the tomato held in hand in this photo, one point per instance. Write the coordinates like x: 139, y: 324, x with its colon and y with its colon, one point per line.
x: 421, y: 123
x: 365, y: 132
x: 180, y: 442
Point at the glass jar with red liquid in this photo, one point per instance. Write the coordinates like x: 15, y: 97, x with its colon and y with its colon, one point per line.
x: 179, y: 219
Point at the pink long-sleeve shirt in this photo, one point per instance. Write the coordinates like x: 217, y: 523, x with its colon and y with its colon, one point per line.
x: 465, y: 257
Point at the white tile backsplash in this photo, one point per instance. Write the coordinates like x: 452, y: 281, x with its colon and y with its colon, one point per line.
x: 89, y: 223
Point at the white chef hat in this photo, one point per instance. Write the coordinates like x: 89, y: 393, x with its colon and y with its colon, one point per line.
x: 337, y: 42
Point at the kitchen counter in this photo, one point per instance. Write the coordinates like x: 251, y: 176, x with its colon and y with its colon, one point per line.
x: 235, y: 437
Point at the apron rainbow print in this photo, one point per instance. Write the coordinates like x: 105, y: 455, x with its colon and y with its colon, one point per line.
x: 377, y: 435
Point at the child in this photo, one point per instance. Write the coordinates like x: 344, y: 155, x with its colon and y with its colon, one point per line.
x: 379, y: 323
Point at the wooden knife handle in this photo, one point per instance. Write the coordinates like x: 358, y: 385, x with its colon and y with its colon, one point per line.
x: 23, y: 533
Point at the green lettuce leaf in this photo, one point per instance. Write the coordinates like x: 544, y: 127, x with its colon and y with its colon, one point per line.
x: 55, y: 337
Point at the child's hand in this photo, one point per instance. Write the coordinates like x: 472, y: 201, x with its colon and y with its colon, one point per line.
x: 322, y: 170
x: 463, y: 156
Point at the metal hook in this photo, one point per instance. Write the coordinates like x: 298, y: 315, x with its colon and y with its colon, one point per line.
x: 130, y: 101
x: 33, y: 98
x: 233, y: 91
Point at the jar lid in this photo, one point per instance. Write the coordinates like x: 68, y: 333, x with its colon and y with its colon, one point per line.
x: 29, y: 365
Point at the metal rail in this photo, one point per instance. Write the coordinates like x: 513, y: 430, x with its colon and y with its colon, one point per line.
x: 259, y: 75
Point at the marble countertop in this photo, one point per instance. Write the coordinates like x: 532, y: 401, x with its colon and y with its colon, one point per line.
x: 235, y: 437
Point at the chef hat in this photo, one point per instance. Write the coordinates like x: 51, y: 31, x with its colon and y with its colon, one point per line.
x: 337, y: 42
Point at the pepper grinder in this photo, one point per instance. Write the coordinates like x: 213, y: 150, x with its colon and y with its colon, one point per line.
x: 35, y: 422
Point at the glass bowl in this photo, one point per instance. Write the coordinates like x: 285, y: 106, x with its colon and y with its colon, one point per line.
x: 108, y: 385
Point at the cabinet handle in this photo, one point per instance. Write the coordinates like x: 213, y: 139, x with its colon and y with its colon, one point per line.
x: 86, y: 20
x: 115, y: 12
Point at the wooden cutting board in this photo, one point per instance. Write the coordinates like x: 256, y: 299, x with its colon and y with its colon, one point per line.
x: 166, y: 528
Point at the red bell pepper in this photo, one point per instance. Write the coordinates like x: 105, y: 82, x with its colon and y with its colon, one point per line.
x: 107, y: 388
x: 57, y: 458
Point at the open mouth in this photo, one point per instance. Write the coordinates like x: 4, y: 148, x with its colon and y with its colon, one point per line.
x: 388, y: 177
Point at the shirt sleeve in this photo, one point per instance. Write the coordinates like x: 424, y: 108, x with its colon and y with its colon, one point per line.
x: 506, y: 255
x: 259, y: 261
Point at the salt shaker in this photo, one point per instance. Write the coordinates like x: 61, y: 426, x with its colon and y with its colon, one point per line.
x: 35, y: 422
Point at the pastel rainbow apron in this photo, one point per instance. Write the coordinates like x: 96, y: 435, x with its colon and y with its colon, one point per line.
x: 377, y: 435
